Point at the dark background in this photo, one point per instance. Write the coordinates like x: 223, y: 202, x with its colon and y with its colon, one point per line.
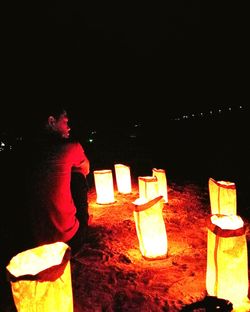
x: 127, y: 60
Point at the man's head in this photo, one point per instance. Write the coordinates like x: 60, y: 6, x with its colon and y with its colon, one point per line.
x: 57, y: 122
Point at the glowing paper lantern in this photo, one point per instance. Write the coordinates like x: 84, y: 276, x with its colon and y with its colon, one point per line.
x: 104, y: 186
x: 160, y: 174
x: 222, y: 197
x: 150, y: 228
x: 227, y: 263
x: 41, y: 279
x: 148, y: 187
x: 123, y: 178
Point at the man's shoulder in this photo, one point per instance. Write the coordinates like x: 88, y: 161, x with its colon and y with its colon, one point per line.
x: 70, y: 144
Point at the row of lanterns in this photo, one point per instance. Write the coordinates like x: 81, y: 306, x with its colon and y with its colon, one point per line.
x: 104, y: 184
x: 149, y: 186
x: 150, y: 225
x: 227, y: 263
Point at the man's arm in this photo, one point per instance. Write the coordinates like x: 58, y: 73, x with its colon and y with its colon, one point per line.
x: 82, y: 165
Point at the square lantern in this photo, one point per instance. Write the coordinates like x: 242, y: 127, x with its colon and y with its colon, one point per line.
x: 222, y: 196
x: 148, y: 187
x: 104, y: 186
x: 150, y: 228
x: 41, y: 279
x: 123, y: 179
x: 160, y: 174
x: 227, y: 260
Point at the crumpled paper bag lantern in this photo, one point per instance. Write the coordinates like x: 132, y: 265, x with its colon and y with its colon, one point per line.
x: 123, y: 179
x: 160, y: 174
x: 227, y: 260
x: 41, y: 279
x: 148, y: 187
x: 104, y: 186
x: 150, y: 228
x: 222, y: 196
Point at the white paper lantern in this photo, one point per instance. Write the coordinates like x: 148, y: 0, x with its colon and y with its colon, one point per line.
x: 148, y: 187
x: 222, y: 196
x: 104, y: 186
x: 150, y: 228
x: 160, y: 174
x: 41, y: 279
x: 123, y: 179
x: 227, y: 260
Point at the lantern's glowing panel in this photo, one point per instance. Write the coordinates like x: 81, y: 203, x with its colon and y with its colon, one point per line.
x: 104, y: 186
x: 123, y: 178
x: 148, y: 187
x: 227, y: 263
x: 160, y: 174
x: 49, y: 287
x: 150, y: 228
x: 222, y: 196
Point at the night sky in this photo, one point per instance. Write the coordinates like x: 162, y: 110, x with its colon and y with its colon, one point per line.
x: 130, y: 60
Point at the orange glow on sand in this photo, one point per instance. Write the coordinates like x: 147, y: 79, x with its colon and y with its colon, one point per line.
x: 110, y: 271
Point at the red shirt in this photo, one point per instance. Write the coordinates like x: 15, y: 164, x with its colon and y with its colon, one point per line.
x: 52, y: 208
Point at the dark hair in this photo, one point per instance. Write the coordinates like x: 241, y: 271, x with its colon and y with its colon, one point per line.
x: 53, y: 110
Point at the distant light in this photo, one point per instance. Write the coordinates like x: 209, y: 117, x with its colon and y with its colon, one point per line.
x: 138, y: 124
x: 90, y: 140
x: 211, y: 112
x: 229, y: 108
x: 132, y: 136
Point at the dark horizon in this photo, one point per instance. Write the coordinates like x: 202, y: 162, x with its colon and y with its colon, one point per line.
x: 20, y: 119
x: 117, y: 63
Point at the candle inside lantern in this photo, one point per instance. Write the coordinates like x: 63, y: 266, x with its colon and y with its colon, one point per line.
x: 150, y: 228
x: 160, y: 174
x: 227, y: 263
x: 148, y: 187
x: 123, y: 178
x: 222, y: 196
x: 104, y: 186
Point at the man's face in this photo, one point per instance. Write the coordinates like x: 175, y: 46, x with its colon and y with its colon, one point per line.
x: 61, y: 126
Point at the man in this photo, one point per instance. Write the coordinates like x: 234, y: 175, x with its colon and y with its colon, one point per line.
x: 56, y: 168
